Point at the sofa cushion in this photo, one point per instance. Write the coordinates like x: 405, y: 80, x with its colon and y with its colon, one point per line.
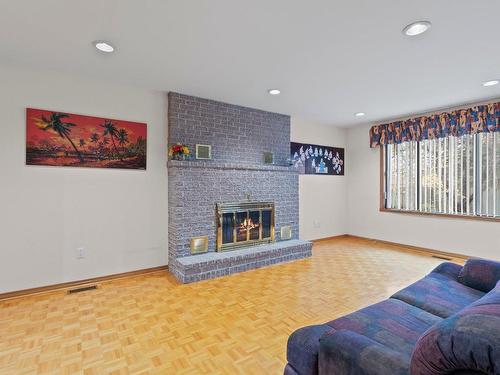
x: 392, y: 323
x: 467, y: 341
x: 452, y: 270
x: 439, y: 292
x: 480, y: 274
x: 347, y: 352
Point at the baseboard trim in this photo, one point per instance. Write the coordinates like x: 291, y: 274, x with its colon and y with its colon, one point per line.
x: 71, y: 284
x: 415, y: 248
x: 339, y: 236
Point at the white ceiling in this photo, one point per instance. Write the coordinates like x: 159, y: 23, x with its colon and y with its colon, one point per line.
x: 330, y: 58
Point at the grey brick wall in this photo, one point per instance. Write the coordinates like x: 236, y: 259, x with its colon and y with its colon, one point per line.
x: 195, y: 187
x: 237, y: 134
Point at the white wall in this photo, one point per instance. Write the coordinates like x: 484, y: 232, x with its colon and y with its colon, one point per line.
x: 322, y: 199
x: 464, y: 236
x: 119, y: 216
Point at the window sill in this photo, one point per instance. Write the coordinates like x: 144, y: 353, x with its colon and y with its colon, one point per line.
x: 448, y: 216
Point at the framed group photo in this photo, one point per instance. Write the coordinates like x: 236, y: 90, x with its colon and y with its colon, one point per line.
x: 316, y: 159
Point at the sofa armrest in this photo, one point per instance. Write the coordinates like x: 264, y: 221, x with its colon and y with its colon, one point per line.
x: 465, y: 343
x: 452, y: 270
x: 345, y: 352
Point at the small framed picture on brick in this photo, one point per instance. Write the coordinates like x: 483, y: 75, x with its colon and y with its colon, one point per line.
x: 268, y: 158
x: 203, y: 152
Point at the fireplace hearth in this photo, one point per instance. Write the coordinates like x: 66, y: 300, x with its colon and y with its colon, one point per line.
x: 244, y: 224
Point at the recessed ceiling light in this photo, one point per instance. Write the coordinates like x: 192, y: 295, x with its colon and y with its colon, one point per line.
x: 417, y: 28
x: 274, y: 92
x: 359, y: 114
x: 103, y: 46
x: 491, y: 83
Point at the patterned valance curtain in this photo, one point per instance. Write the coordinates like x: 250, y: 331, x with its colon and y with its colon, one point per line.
x: 478, y: 119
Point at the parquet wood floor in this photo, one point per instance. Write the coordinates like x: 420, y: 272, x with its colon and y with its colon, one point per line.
x: 237, y: 324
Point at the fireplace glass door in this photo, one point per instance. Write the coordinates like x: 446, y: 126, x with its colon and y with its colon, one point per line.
x: 241, y: 226
x: 228, y: 228
x: 244, y: 224
x: 266, y: 223
x: 253, y: 225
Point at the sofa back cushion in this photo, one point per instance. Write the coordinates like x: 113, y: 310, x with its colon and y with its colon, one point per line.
x: 480, y: 274
x: 467, y: 341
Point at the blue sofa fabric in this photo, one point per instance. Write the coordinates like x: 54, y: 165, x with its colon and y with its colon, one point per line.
x: 480, y: 274
x: 391, y: 323
x: 439, y: 293
x: 469, y: 340
x: 347, y: 352
x: 398, y: 335
x: 303, y: 348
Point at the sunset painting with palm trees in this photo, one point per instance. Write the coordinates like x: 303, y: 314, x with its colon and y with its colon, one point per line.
x: 63, y: 139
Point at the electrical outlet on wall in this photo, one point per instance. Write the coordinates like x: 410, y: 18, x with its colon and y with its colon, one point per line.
x: 316, y: 224
x: 80, y: 253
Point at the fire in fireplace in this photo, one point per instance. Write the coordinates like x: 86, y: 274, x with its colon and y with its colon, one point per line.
x: 244, y: 224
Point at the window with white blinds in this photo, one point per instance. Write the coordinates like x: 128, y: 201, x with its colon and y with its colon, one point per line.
x: 453, y: 175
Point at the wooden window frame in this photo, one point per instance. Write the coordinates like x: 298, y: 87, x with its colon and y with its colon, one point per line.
x: 382, y: 207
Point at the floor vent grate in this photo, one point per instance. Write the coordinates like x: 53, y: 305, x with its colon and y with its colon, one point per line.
x: 440, y: 257
x: 82, y: 289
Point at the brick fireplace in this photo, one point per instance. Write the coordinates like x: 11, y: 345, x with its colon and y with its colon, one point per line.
x: 236, y: 187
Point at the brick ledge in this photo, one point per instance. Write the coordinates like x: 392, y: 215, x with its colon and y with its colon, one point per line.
x: 239, y: 166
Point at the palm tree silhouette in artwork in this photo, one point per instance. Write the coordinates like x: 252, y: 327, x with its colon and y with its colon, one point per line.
x: 111, y: 130
x: 103, y: 147
x: 105, y: 142
x: 56, y: 124
x: 94, y: 138
x: 82, y: 143
x: 122, y: 139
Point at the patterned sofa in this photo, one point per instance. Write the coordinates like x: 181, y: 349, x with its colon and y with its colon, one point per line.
x: 446, y: 323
